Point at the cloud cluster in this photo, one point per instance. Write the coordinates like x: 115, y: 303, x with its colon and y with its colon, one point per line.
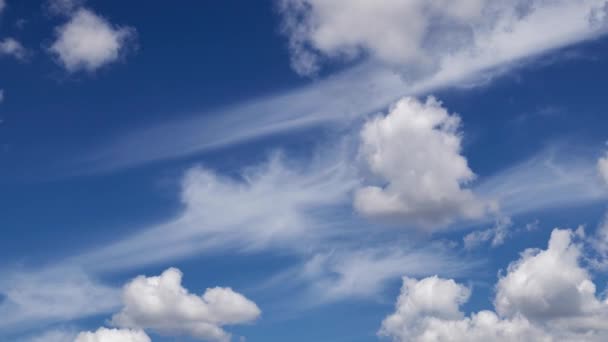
x: 546, y: 295
x: 113, y: 335
x: 161, y: 304
x: 88, y: 42
x: 415, y: 154
x: 435, y: 37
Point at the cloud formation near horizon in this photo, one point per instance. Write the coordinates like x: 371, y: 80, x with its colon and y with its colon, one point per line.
x: 546, y: 295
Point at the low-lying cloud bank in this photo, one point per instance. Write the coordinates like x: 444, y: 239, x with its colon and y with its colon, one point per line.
x: 546, y: 295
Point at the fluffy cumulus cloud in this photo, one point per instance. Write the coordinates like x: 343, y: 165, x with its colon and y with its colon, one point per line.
x: 414, y: 154
x: 163, y: 305
x: 546, y: 295
x: 12, y: 47
x: 113, y: 335
x: 602, y: 167
x: 434, y: 37
x: 88, y: 42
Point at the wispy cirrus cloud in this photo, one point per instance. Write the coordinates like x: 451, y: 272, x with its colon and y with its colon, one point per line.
x: 499, y: 39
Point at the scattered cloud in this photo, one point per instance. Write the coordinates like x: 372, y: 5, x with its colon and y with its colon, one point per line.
x: 63, y: 7
x: 113, y: 335
x: 52, y: 295
x: 557, y: 176
x: 434, y: 38
x: 11, y: 47
x: 496, y: 235
x: 415, y: 154
x: 88, y: 42
x: 2, y: 5
x: 1, y: 95
x: 163, y: 305
x: 363, y: 272
x: 546, y: 295
x: 276, y: 204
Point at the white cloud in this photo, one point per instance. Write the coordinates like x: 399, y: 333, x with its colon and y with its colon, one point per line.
x: 2, y: 5
x: 415, y: 152
x: 88, y: 42
x: 162, y: 304
x: 434, y: 37
x: 52, y: 295
x: 1, y: 95
x: 602, y: 167
x: 558, y: 176
x: 275, y: 204
x: 547, y: 284
x: 64, y: 7
x: 11, y: 47
x: 496, y: 234
x: 363, y: 272
x: 546, y: 295
x: 113, y: 335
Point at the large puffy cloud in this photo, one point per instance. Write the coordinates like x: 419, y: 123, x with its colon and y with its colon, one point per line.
x: 113, y: 335
x: 545, y: 296
x: 88, y: 42
x: 415, y: 153
x: 438, y: 37
x: 162, y: 304
x: 547, y: 284
x: 429, y: 310
x: 602, y: 167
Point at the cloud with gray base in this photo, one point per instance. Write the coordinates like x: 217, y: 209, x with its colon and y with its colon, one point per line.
x: 415, y: 154
x: 163, y: 305
x: 546, y: 295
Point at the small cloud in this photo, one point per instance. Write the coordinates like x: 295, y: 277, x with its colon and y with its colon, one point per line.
x: 63, y: 7
x: 88, y: 42
x: 12, y: 47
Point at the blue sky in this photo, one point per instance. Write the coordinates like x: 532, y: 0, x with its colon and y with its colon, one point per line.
x: 303, y: 170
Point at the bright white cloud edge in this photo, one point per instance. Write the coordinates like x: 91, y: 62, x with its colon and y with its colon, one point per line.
x: 546, y: 295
